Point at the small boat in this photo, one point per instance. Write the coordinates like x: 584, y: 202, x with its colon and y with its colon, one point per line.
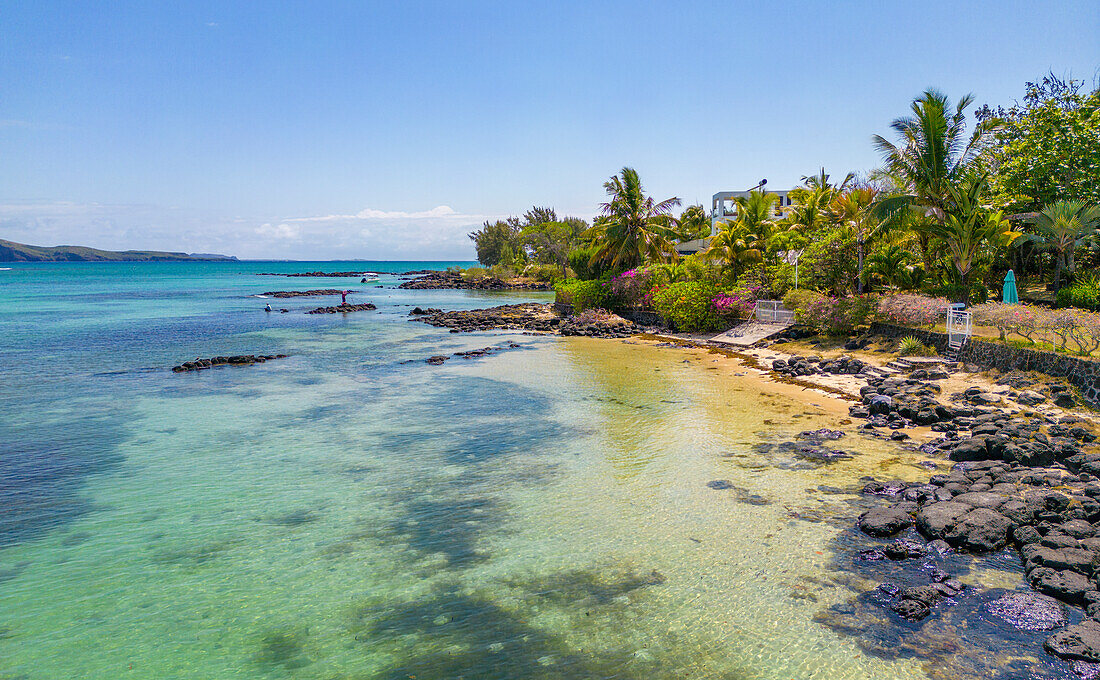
x: 369, y: 277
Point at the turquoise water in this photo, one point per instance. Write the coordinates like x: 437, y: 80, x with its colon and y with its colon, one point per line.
x: 352, y: 512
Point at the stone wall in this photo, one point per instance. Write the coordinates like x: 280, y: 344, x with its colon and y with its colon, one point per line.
x: 642, y: 317
x: 1084, y: 374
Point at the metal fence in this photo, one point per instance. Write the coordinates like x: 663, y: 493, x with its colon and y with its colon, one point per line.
x: 773, y: 311
x: 958, y: 327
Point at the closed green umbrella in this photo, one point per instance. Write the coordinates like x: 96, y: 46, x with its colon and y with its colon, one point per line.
x: 1008, y: 293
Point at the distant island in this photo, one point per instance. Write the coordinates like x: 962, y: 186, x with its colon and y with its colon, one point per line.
x: 20, y: 252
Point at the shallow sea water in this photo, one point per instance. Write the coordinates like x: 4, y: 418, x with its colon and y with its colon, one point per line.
x: 542, y: 512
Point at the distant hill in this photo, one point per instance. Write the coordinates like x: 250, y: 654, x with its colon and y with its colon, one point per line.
x: 19, y: 252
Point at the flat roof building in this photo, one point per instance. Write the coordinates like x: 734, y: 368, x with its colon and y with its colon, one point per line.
x: 723, y: 208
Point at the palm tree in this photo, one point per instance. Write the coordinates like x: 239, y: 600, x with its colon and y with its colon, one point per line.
x: 890, y: 264
x: 1060, y: 228
x: 756, y: 216
x: 811, y: 201
x: 734, y: 247
x: 855, y: 211
x: 693, y: 223
x: 969, y: 228
x: 932, y: 155
x: 634, y: 228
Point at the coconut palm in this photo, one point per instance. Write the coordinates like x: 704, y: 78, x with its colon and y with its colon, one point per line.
x: 693, y: 223
x: 1060, y: 228
x: 811, y: 201
x: 756, y: 217
x: 734, y: 247
x: 932, y: 156
x: 634, y: 227
x: 855, y: 211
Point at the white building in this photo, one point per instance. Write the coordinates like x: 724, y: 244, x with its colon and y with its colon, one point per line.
x: 723, y: 208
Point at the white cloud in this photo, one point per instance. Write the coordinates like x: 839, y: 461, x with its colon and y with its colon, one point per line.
x: 438, y: 212
x: 282, y: 231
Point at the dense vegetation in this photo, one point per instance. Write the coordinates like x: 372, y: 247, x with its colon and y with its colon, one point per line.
x: 959, y: 200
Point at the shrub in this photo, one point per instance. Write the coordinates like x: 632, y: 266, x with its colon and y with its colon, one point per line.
x: 473, y: 272
x: 687, y: 305
x: 580, y: 261
x: 913, y: 310
x: 737, y: 304
x: 1084, y: 293
x: 841, y: 316
x: 911, y: 346
x: 799, y: 300
x: 542, y: 272
x: 1078, y: 326
x: 583, y: 294
x: 633, y: 288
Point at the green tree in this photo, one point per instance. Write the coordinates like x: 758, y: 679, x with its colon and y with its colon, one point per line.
x: 854, y: 210
x: 932, y: 155
x: 552, y: 241
x: 498, y: 242
x: 731, y: 246
x: 538, y: 215
x: 970, y: 228
x: 694, y: 223
x: 810, y: 209
x: 1046, y: 148
x: 1060, y: 228
x: 634, y: 228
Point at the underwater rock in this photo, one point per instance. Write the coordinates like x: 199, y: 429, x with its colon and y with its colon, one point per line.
x: 436, y: 360
x: 304, y: 293
x: 1077, y: 642
x: 1029, y: 611
x: 819, y: 436
x: 238, y: 360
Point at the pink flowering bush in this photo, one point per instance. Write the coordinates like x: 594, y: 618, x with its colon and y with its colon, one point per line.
x: 1033, y: 323
x: 737, y: 304
x: 840, y: 316
x: 913, y: 310
x: 633, y: 288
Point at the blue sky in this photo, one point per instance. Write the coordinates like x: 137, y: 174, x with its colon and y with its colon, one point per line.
x: 390, y: 130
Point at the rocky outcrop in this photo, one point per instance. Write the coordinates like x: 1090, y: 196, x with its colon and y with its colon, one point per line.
x: 529, y: 316
x: 343, y: 309
x: 613, y: 327
x: 797, y: 366
x: 448, y: 280
x: 237, y: 360
x: 315, y: 274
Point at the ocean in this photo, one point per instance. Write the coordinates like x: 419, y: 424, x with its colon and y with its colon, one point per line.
x: 353, y: 512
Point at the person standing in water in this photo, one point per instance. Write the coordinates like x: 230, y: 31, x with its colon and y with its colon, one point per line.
x: 267, y: 307
x: 343, y: 297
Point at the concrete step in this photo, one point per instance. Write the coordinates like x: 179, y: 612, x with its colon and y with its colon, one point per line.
x: 749, y: 333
